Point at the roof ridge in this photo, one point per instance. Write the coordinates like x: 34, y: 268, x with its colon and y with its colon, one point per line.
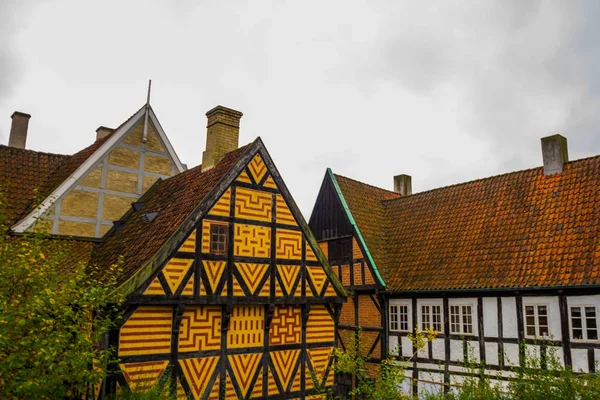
x: 486, y: 178
x: 367, y: 184
x: 34, y: 151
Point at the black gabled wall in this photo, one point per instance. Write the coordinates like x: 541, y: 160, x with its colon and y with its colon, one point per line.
x: 328, y: 219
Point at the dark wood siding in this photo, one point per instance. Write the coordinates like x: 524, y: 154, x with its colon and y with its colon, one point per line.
x: 328, y: 219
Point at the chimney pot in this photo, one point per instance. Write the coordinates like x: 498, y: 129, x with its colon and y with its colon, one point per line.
x: 555, y: 154
x: 403, y: 184
x: 222, y: 135
x: 18, y: 130
x: 103, y: 132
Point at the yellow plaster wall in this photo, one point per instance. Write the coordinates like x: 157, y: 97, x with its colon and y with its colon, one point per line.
x: 115, y: 206
x: 93, y: 178
x: 157, y: 164
x: 121, y: 181
x: 78, y: 203
x: 124, y: 157
x: 73, y: 228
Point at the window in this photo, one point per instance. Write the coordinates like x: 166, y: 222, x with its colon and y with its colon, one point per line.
x: 461, y: 319
x: 431, y: 317
x: 393, y: 318
x: 218, y: 238
x: 583, y: 323
x: 398, y: 318
x: 536, y: 321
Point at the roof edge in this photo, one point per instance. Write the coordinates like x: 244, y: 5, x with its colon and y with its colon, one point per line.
x: 310, y: 237
x: 24, y: 223
x: 355, y: 225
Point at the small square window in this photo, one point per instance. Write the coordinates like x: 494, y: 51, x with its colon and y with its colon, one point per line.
x: 218, y: 238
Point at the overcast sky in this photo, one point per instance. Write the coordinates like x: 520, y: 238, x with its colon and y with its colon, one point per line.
x: 445, y: 92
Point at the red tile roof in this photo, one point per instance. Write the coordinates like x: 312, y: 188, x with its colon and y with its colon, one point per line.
x: 22, y: 174
x: 518, y: 230
x: 175, y: 198
x: 365, y: 203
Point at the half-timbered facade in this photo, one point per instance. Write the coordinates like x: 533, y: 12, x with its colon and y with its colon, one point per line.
x: 229, y: 296
x: 503, y: 268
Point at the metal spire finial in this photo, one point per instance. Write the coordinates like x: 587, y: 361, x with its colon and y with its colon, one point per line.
x: 145, y: 135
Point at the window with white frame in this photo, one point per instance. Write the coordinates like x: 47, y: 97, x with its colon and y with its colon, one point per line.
x: 398, y: 317
x: 431, y: 317
x: 461, y: 319
x: 536, y: 320
x: 584, y: 325
x: 393, y: 318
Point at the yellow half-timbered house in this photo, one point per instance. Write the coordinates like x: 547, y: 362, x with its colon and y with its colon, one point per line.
x: 228, y: 294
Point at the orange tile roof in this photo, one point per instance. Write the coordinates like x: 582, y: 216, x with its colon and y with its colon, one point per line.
x: 22, y: 174
x: 518, y: 230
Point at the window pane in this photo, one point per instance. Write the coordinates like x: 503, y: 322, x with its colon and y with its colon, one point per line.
x: 590, y: 323
x: 530, y: 330
x: 529, y: 311
x: 403, y: 318
x: 543, y: 330
x: 425, y: 317
x: 577, y: 334
x: 542, y: 310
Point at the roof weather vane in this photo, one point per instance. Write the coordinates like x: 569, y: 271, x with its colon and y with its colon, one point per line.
x: 145, y: 135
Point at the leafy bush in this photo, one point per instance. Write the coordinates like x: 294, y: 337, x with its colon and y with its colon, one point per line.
x: 48, y: 306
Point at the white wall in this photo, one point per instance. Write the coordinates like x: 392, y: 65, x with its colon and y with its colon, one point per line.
x: 509, y: 331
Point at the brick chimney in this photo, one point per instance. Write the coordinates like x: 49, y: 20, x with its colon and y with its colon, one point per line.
x: 18, y: 129
x: 403, y: 184
x: 103, y: 132
x: 554, y: 153
x: 222, y: 135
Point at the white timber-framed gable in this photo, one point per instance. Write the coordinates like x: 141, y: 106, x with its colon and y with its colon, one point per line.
x: 103, y: 187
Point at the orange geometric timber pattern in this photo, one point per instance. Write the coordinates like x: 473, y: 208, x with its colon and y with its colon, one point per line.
x: 288, y: 275
x: 284, y: 362
x: 252, y: 241
x: 188, y: 290
x: 155, y: 288
x: 253, y: 204
x: 319, y: 327
x: 318, y: 278
x: 244, y: 368
x: 252, y: 274
x: 198, y: 372
x: 289, y: 244
x: 271, y: 384
x: 143, y: 375
x: 310, y: 255
x: 270, y: 183
x: 147, y: 331
x: 200, y: 329
x: 319, y: 359
x: 222, y: 206
x: 214, y: 271
x: 286, y: 325
x: 189, y: 246
x: 243, y: 177
x: 246, y: 327
x: 283, y: 213
x: 175, y: 271
x: 257, y: 168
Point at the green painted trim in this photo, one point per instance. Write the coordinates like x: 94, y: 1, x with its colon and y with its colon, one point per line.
x: 353, y: 223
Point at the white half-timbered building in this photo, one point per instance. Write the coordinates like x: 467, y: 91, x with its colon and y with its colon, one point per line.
x: 489, y: 264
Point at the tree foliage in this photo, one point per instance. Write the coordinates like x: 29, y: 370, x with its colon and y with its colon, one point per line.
x: 54, y: 314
